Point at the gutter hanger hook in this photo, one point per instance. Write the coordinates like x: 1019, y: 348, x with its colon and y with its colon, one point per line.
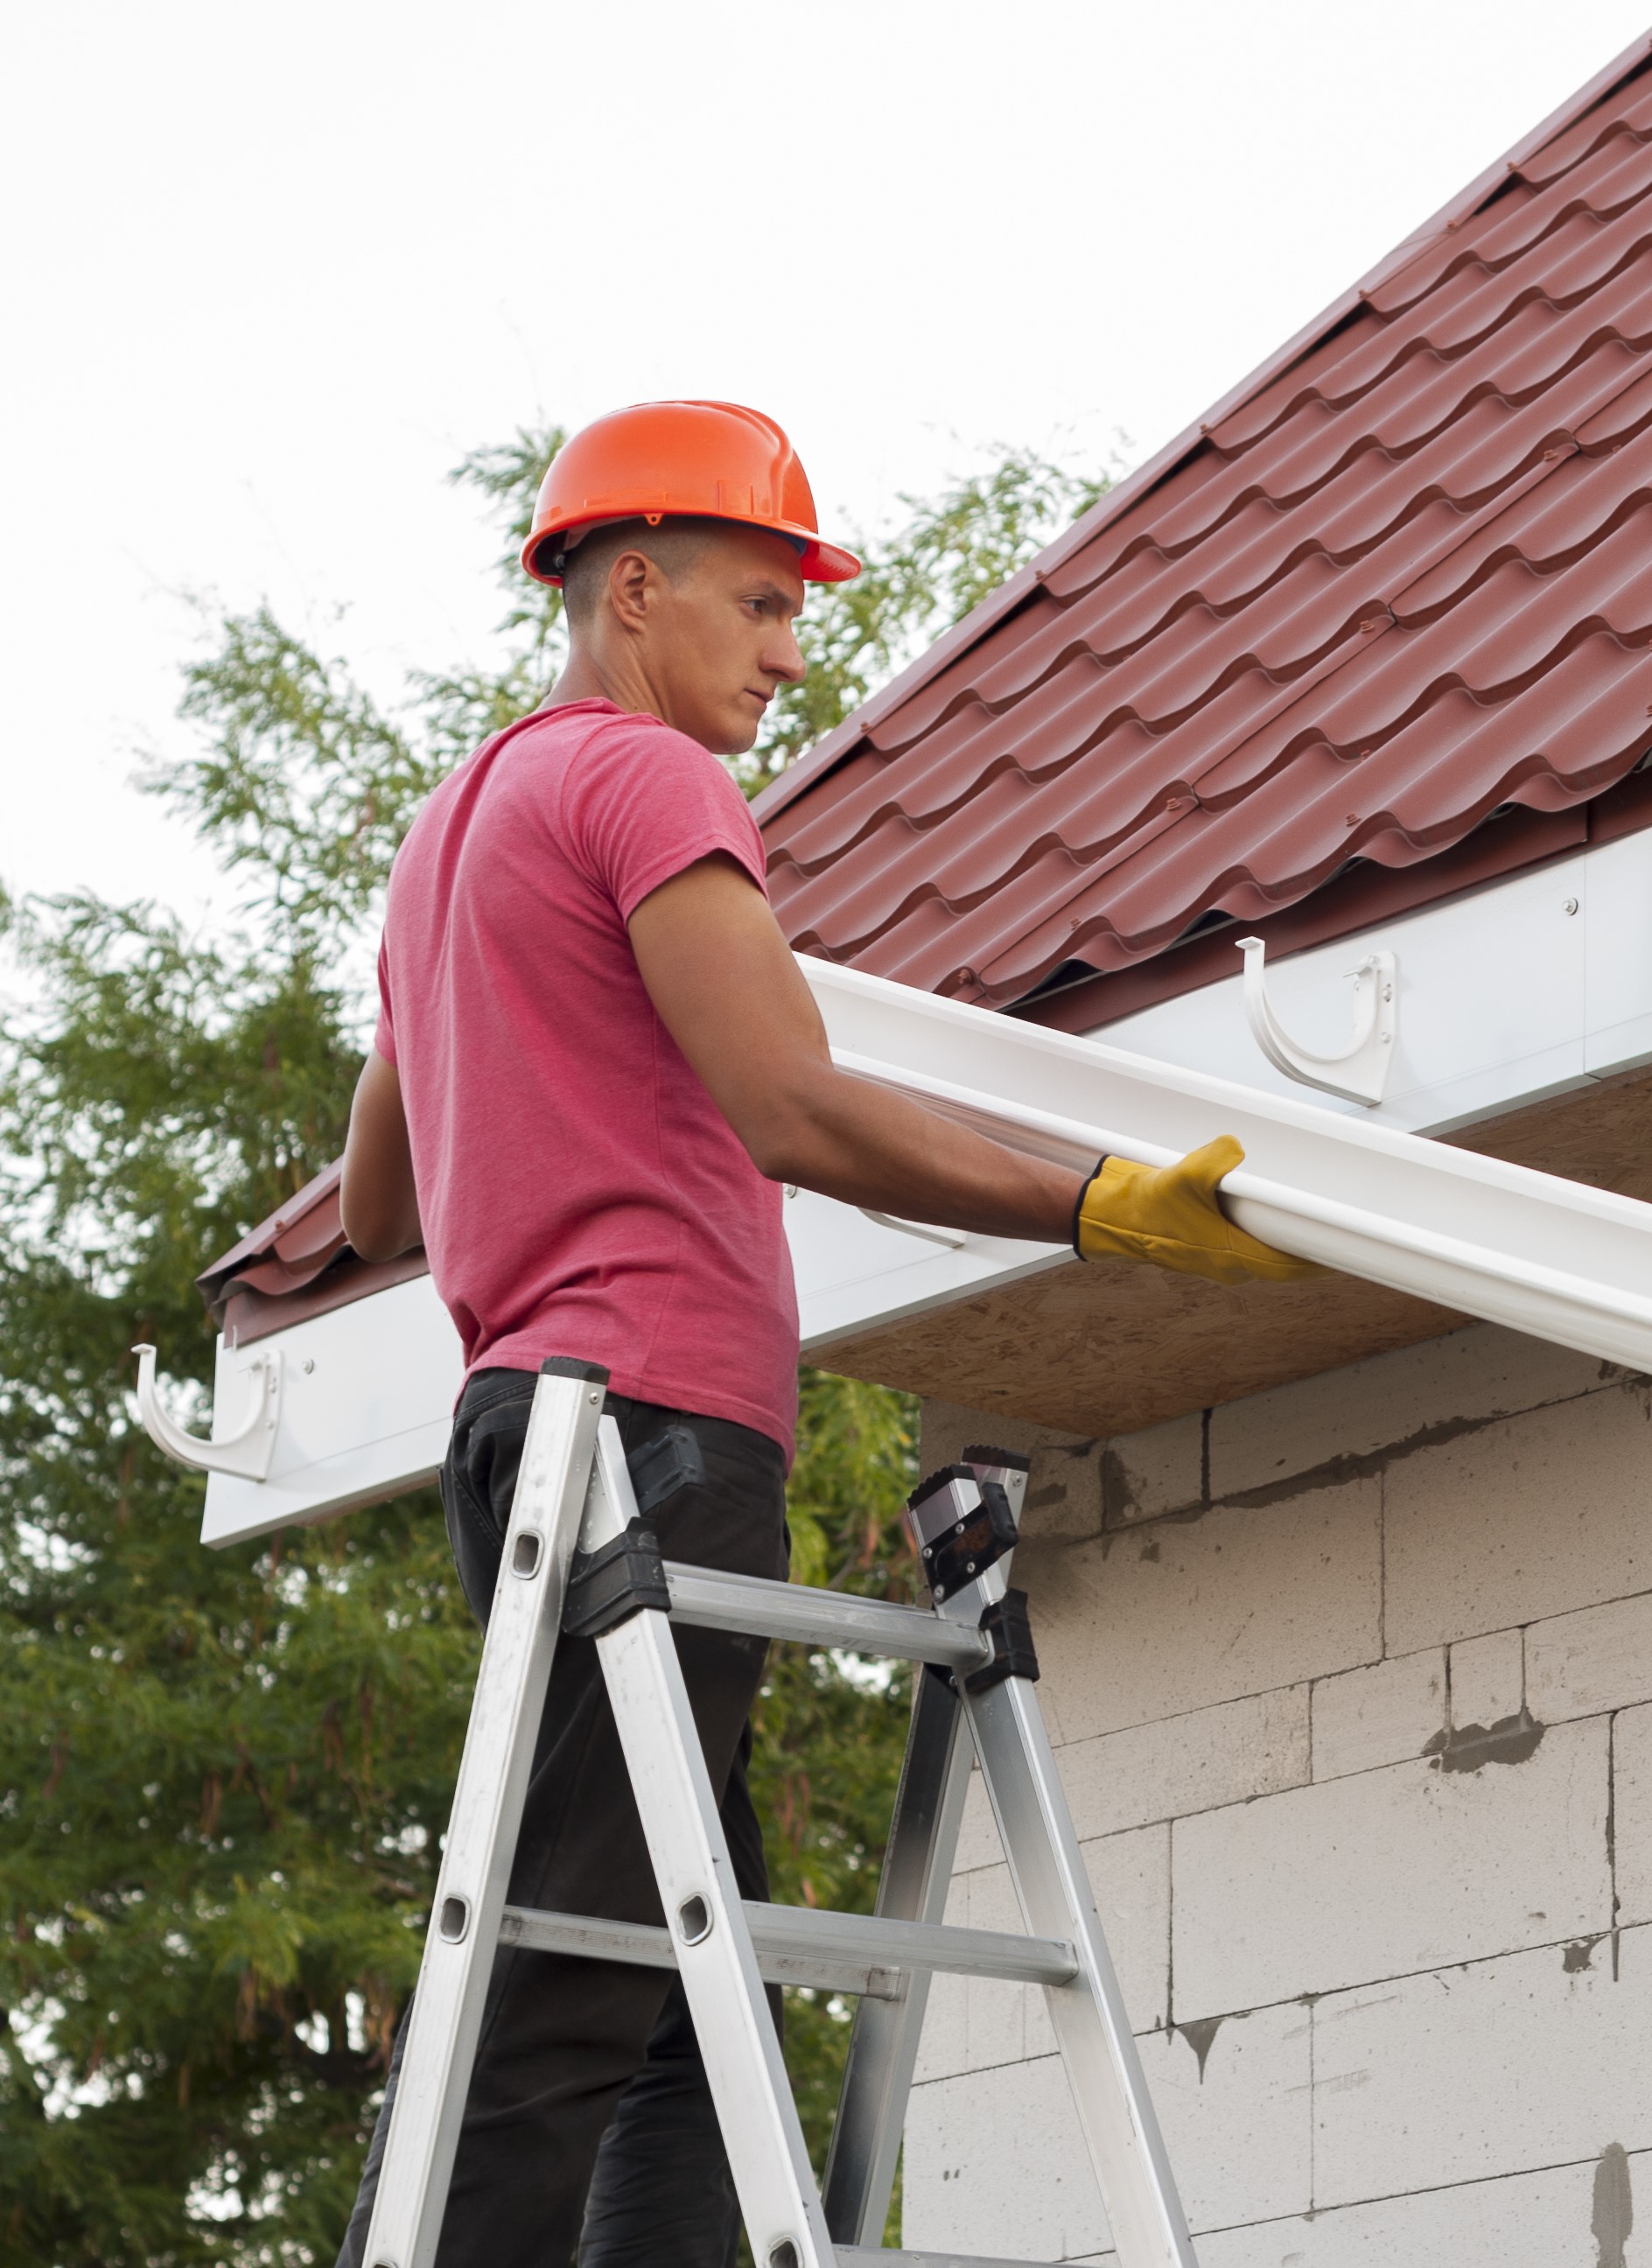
x: 1360, y: 1072
x: 245, y: 1453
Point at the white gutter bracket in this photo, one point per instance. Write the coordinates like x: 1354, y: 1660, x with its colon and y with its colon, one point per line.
x: 247, y: 1451
x: 1360, y: 1072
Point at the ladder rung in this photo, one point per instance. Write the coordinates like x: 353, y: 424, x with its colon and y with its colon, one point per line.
x: 757, y: 1607
x: 849, y: 2255
x: 798, y: 1945
x: 644, y: 1946
x: 913, y: 1944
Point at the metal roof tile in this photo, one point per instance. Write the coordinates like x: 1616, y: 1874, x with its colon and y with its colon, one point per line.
x: 1400, y: 583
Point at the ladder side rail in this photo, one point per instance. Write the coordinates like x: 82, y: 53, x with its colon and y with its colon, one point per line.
x: 1092, y: 2026
x: 446, y: 2017
x: 884, y: 2043
x: 703, y: 1910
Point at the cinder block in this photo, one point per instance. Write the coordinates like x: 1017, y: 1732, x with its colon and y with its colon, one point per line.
x: 1064, y: 1494
x: 1064, y: 1488
x: 1487, y: 1679
x: 1159, y: 1470
x: 946, y: 1428
x: 1523, y: 2220
x: 1212, y: 1757
x: 943, y: 2046
x: 1383, y: 1715
x: 1387, y: 1403
x: 1600, y: 1658
x: 1131, y: 1877
x: 978, y: 1841
x: 1392, y: 1871
x: 1632, y: 1813
x: 1004, y: 2023
x: 997, y: 2014
x: 1504, y: 2067
x: 1002, y: 2167
x: 1532, y: 1517
x: 1153, y: 1622
x: 1235, y: 2104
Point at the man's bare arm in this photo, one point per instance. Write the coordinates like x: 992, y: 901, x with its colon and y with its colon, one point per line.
x: 377, y: 1199
x: 726, y: 986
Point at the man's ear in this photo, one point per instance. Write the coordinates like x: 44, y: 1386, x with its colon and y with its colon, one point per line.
x: 630, y: 581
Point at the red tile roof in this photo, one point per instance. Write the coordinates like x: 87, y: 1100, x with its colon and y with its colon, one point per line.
x: 1397, y: 584
x: 296, y: 1264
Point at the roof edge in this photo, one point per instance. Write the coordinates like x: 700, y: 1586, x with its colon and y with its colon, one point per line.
x: 837, y: 744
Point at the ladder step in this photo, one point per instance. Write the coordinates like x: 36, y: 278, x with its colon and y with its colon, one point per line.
x: 757, y: 1607
x: 851, y: 2256
x: 913, y: 1944
x: 644, y: 1946
x: 798, y: 1945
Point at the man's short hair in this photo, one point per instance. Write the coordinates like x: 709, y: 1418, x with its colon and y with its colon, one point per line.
x: 673, y: 544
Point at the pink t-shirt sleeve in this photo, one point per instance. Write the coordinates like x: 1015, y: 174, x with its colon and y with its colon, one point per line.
x: 384, y: 1036
x: 641, y: 802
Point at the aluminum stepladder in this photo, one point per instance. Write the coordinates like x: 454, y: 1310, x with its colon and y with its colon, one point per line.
x: 576, y: 1558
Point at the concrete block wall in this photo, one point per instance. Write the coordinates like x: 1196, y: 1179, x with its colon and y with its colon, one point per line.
x: 1351, y: 1686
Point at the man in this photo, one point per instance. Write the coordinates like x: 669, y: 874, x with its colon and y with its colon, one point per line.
x: 596, y: 1065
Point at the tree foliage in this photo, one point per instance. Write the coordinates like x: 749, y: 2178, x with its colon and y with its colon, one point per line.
x: 224, y: 1776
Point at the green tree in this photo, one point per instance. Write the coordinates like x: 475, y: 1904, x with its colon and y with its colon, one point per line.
x: 222, y: 1776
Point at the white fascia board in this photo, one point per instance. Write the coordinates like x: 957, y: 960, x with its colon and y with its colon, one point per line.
x: 367, y: 1393
x: 1523, y: 988
x: 854, y: 1274
x: 1505, y: 997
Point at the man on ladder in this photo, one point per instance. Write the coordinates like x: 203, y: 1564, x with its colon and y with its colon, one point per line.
x: 595, y: 1065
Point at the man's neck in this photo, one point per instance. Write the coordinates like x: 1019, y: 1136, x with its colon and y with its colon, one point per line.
x: 594, y: 677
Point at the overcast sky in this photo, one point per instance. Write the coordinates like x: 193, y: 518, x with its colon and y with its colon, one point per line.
x: 270, y: 271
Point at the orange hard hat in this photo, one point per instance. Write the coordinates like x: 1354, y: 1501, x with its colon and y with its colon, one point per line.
x: 712, y: 459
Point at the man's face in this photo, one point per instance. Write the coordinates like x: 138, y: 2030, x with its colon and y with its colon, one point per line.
x: 718, y: 645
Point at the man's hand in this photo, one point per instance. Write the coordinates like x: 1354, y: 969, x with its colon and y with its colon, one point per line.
x: 377, y: 1200
x: 726, y: 989
x: 1170, y: 1215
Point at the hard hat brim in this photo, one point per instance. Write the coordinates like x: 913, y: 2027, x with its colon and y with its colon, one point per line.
x: 817, y: 562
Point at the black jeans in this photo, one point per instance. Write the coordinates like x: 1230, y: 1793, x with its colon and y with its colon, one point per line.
x: 588, y: 2128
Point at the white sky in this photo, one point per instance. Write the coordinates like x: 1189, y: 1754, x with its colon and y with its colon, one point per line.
x: 270, y: 271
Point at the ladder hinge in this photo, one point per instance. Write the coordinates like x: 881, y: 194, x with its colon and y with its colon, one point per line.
x: 958, y: 1541
x: 1005, y: 1622
x: 607, y: 1588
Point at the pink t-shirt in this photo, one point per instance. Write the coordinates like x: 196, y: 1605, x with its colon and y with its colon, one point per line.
x: 580, y: 1192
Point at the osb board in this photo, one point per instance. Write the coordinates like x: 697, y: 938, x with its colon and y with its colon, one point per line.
x: 1101, y: 1350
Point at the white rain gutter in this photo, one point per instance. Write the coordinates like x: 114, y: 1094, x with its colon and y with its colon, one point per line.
x: 353, y: 1406
x: 1526, y: 1249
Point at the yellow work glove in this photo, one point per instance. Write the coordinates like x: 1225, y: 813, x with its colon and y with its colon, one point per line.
x: 1168, y: 1215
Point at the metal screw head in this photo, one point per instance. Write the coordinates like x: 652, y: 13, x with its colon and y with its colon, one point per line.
x: 309, y: 1365
x: 1570, y: 907
x: 593, y: 1397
